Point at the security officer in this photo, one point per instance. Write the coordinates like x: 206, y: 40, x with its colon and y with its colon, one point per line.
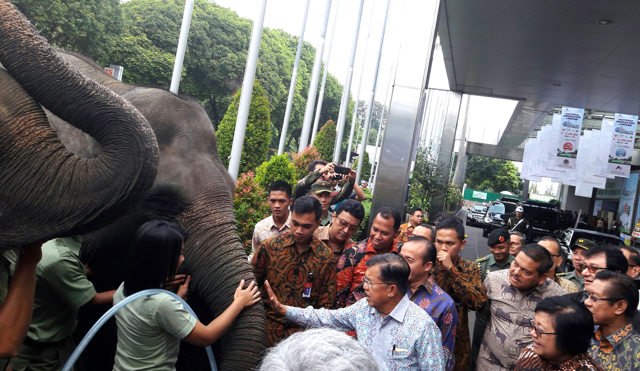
x: 498, y: 241
x: 518, y: 223
x: 578, y: 249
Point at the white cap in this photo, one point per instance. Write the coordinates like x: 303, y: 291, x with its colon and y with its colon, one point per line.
x: 519, y: 209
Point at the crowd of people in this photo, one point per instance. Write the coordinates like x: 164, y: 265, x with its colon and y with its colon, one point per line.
x: 400, y: 299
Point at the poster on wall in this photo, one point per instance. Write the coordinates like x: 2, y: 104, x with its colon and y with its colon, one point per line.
x: 625, y: 207
x: 569, y: 138
x: 636, y: 227
x: 621, y: 149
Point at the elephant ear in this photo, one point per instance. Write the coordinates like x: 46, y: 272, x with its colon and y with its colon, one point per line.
x: 105, y: 251
x: 45, y: 190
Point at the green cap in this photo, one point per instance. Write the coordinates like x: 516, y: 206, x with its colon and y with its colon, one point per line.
x: 320, y: 186
x: 584, y: 244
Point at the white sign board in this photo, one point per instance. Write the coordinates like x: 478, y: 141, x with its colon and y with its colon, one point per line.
x: 569, y: 138
x: 621, y: 149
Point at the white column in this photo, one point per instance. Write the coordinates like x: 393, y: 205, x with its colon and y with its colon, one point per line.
x: 182, y: 46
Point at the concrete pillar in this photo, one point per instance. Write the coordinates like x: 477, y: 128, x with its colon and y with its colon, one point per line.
x: 525, y: 191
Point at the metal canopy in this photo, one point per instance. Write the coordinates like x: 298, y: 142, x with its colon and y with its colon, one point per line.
x: 544, y: 53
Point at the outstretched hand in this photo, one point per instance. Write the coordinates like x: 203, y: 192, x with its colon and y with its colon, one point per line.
x: 32, y: 252
x: 183, y: 289
x: 276, y: 306
x: 246, y: 297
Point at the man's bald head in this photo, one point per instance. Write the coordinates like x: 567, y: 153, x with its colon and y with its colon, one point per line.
x: 425, y: 231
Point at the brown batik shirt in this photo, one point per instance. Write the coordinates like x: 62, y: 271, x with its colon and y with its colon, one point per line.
x: 508, y: 332
x: 288, y: 271
x: 464, y: 285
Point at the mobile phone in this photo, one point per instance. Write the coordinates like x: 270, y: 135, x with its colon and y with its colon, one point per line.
x: 341, y: 169
x: 336, y: 177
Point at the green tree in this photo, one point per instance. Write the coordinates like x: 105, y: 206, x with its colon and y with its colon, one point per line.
x: 277, y: 168
x: 427, y: 180
x: 492, y: 175
x: 325, y: 140
x: 90, y: 27
x: 366, y: 167
x: 257, y: 135
x: 249, y: 207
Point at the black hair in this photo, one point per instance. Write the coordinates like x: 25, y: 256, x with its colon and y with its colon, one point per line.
x: 429, y: 253
x: 635, y: 259
x: 353, y: 207
x: 442, y: 215
x: 572, y: 321
x: 523, y: 238
x: 282, y: 186
x: 553, y: 239
x: 614, y: 257
x: 388, y: 212
x: 451, y: 223
x: 313, y: 164
x: 540, y: 255
x: 307, y: 205
x: 429, y: 227
x: 153, y: 256
x: 414, y: 210
x: 393, y: 269
x: 620, y: 287
x: 630, y: 249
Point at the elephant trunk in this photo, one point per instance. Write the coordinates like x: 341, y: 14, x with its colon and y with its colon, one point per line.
x: 216, y: 273
x: 45, y: 190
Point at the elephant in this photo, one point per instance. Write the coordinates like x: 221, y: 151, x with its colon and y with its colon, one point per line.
x: 182, y: 178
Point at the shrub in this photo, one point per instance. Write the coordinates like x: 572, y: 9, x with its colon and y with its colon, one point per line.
x: 326, y: 140
x: 277, y: 168
x: 258, y: 133
x: 302, y: 160
x: 362, y: 232
x: 249, y: 207
x: 366, y: 167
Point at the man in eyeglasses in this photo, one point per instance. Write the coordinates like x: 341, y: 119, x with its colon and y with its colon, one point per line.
x: 345, y: 222
x: 599, y: 259
x: 612, y: 298
x: 578, y: 249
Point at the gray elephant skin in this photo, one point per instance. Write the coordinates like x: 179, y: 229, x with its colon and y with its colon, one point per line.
x: 103, y: 158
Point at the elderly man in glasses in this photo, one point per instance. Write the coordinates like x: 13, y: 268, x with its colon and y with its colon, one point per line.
x: 345, y: 222
x: 612, y: 298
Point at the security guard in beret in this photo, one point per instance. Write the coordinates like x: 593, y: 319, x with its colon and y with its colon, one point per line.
x: 578, y: 249
x: 498, y: 241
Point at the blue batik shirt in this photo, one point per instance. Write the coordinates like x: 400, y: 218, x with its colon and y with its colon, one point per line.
x: 406, y: 339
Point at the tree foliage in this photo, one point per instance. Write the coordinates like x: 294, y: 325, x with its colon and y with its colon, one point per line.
x: 302, y: 160
x: 325, y: 140
x: 492, y: 175
x: 366, y: 166
x: 428, y: 181
x: 277, y: 168
x: 249, y: 207
x: 257, y: 135
x: 142, y: 36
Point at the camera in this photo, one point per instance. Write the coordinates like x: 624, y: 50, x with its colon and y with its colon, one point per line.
x: 336, y: 177
x: 341, y: 170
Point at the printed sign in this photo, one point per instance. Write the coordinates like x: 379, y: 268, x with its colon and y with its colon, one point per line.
x: 569, y: 138
x: 621, y: 150
x: 625, y: 207
x: 480, y: 195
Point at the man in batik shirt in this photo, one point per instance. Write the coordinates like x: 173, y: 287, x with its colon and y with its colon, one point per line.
x: 345, y: 222
x: 420, y: 253
x: 460, y: 279
x: 612, y: 298
x: 406, y: 229
x: 299, y: 267
x: 352, y: 263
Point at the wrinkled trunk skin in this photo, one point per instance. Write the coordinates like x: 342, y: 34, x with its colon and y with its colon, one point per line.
x: 214, y: 256
x: 45, y: 190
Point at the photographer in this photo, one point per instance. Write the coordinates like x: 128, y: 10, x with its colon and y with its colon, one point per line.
x: 321, y: 170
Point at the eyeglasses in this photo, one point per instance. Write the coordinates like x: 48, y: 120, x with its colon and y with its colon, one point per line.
x: 537, y: 330
x: 591, y: 268
x: 344, y: 224
x: 365, y: 281
x: 595, y: 298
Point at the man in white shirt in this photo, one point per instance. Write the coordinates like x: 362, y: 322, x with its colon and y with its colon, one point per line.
x: 279, y: 200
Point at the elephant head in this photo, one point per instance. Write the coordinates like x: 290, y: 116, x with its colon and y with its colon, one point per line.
x: 190, y: 174
x: 45, y: 189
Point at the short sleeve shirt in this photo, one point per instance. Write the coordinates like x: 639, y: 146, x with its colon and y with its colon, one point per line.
x: 62, y: 288
x: 149, y: 332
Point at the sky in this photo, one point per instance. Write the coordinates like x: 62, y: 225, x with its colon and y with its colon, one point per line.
x: 288, y: 15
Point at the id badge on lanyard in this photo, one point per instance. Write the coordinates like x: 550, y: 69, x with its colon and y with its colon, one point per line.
x: 308, y: 286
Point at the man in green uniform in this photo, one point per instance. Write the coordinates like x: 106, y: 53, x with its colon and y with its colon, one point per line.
x: 578, y: 249
x: 518, y: 223
x: 498, y: 241
x: 61, y: 289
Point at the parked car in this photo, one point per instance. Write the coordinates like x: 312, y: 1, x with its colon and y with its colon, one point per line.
x: 570, y: 235
x: 475, y: 215
x: 543, y: 218
x: 497, y: 214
